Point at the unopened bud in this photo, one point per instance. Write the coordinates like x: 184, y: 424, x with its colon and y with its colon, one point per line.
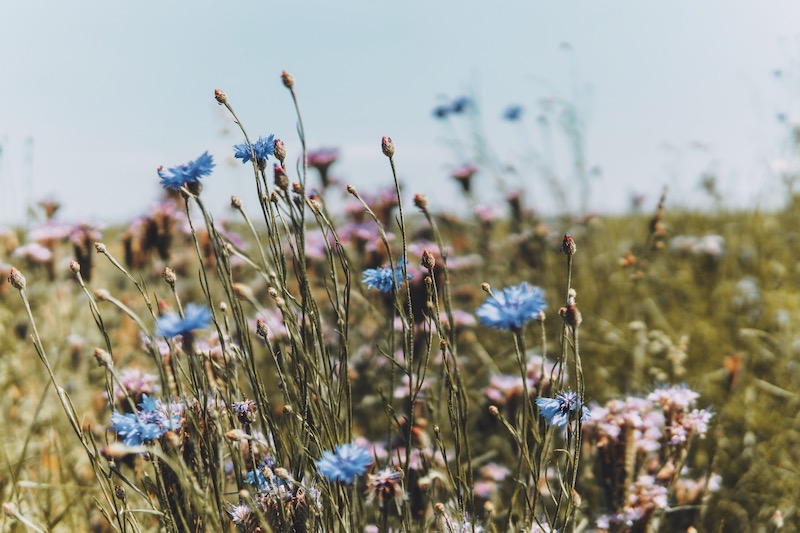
x: 243, y: 292
x: 439, y: 508
x: 261, y: 328
x: 220, y: 96
x: 287, y: 79
x: 494, y: 411
x: 568, y: 245
x: 571, y: 315
x: 287, y: 409
x: 99, y: 247
x: 428, y: 261
x: 223, y: 307
x: 74, y: 266
x: 281, y: 179
x: 387, y: 146
x: 102, y: 295
x: 273, y: 292
x: 103, y: 358
x: 421, y: 202
x: 16, y: 279
x: 351, y: 190
x: 236, y: 202
x: 169, y: 276
x: 274, y: 198
x: 485, y: 287
x: 279, y: 149
x: 119, y: 492
x: 297, y: 188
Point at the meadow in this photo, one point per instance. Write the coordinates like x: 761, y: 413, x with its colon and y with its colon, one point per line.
x: 386, y: 367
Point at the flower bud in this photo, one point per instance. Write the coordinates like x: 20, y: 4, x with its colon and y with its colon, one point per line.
x: 261, y: 328
x: 103, y: 358
x: 387, y: 146
x: 281, y: 179
x: 74, y: 266
x: 99, y: 247
x: 421, y: 202
x: 568, y: 245
x: 236, y: 202
x: 287, y: 79
x: 279, y: 149
x: 428, y: 261
x: 485, y: 287
x: 16, y: 279
x: 102, y: 295
x: 220, y: 97
x: 169, y: 276
x: 119, y: 492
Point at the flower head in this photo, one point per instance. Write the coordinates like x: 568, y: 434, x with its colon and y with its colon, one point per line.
x: 153, y: 419
x: 189, y: 173
x: 383, y: 278
x: 262, y: 148
x: 345, y: 463
x: 194, y: 317
x: 560, y: 410
x: 513, y: 308
x: 385, y: 485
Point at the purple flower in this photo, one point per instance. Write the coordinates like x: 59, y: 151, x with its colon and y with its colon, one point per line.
x: 560, y: 410
x: 512, y: 308
x: 189, y: 173
x: 345, y: 463
x: 194, y: 317
x: 262, y: 148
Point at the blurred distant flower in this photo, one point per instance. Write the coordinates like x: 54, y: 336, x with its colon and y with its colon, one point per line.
x: 560, y: 410
x: 463, y: 175
x: 345, y: 463
x: 460, y: 105
x: 189, y: 173
x: 240, y: 514
x: 383, y: 278
x: 195, y: 317
x: 263, y: 148
x: 385, y: 485
x: 153, y: 420
x: 513, y: 308
x: 441, y: 111
x: 513, y: 113
x: 322, y: 160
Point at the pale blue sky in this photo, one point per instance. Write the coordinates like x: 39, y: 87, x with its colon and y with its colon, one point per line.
x: 109, y: 90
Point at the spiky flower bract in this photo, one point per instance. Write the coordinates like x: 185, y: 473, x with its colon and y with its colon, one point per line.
x: 345, y: 463
x: 383, y: 278
x: 514, y: 307
x: 151, y: 421
x: 560, y: 410
x: 189, y: 173
x: 262, y: 148
x: 194, y: 317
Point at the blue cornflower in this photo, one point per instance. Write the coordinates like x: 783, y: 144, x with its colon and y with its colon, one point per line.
x: 513, y: 113
x: 560, y: 410
x: 344, y: 464
x: 194, y: 317
x: 512, y: 308
x: 189, y: 173
x: 381, y: 278
x: 263, y: 148
x: 153, y: 420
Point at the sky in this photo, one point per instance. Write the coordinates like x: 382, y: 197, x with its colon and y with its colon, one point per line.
x: 94, y: 96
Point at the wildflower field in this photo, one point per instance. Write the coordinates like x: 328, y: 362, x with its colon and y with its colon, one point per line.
x: 382, y: 365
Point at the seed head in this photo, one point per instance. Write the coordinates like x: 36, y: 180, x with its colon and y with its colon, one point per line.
x: 220, y: 97
x: 387, y: 146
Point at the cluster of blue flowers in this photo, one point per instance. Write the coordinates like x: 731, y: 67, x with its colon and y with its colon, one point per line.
x: 345, y: 463
x: 153, y: 419
x: 512, y: 308
x: 560, y: 410
x: 262, y: 148
x: 189, y: 173
x: 194, y: 317
x: 385, y: 278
